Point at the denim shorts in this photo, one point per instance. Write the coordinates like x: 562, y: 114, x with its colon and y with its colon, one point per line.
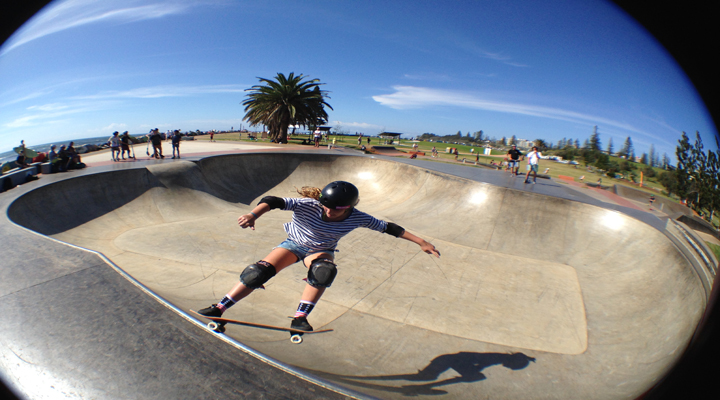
x: 532, y: 167
x: 300, y: 251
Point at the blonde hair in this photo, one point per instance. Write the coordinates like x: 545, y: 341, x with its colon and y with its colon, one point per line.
x: 310, y: 192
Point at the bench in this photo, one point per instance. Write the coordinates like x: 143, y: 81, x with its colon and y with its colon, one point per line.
x: 15, y: 177
x: 46, y: 168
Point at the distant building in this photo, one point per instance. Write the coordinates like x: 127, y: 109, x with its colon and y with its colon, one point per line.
x: 390, y: 136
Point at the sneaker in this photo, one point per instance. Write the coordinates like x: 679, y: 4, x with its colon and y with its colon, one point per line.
x: 301, y: 324
x: 211, y: 311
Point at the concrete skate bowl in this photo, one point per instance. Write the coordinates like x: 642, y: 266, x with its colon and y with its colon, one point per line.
x: 533, y: 297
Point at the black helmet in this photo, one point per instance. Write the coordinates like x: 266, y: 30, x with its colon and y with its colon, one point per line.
x: 339, y: 195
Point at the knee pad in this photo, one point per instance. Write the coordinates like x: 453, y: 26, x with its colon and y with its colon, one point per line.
x: 321, y: 273
x: 255, y: 275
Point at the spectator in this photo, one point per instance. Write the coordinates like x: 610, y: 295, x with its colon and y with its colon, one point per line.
x: 176, y: 143
x: 533, y: 158
x: 53, y: 159
x: 64, y: 159
x: 316, y: 137
x: 156, y: 140
x: 513, y: 157
x: 125, y: 142
x: 21, y: 160
x: 52, y: 155
x: 115, y: 146
x: 74, y: 160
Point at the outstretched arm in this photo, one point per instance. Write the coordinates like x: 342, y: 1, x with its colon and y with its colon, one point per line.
x: 248, y: 220
x: 424, y: 244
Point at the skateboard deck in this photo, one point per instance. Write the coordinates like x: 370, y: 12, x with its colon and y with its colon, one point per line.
x: 217, y: 325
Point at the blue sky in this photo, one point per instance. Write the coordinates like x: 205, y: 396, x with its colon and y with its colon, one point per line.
x: 531, y: 69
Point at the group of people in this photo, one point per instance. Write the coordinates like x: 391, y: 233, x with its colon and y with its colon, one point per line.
x: 155, y: 138
x: 66, y: 158
x: 119, y: 145
x: 514, y: 156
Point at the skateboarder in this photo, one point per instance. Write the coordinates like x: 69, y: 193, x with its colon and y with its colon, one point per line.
x: 320, y: 219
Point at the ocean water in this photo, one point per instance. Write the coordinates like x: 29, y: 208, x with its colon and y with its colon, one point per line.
x: 44, y: 148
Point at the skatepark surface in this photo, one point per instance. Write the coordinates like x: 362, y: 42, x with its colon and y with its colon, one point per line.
x: 540, y: 293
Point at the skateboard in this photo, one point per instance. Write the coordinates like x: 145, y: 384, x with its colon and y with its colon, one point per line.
x: 217, y: 324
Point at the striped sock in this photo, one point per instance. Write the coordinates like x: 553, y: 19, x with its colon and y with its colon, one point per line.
x: 304, y: 308
x: 225, y: 303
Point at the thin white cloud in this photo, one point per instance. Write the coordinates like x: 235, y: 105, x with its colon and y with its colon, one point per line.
x: 358, y: 125
x: 165, y: 91
x: 114, y: 126
x: 47, y: 113
x: 408, y: 97
x: 63, y: 15
x: 473, y: 48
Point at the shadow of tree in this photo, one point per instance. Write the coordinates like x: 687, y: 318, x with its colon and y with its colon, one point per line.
x: 468, y: 365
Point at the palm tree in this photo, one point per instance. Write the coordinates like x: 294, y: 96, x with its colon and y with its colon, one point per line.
x: 286, y: 101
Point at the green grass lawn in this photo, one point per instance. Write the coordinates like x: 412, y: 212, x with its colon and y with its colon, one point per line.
x: 715, y: 249
x: 555, y: 169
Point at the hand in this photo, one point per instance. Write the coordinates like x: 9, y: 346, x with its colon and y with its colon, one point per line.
x: 429, y: 248
x: 247, y: 220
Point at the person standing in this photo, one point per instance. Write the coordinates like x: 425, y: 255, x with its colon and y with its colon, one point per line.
x: 176, y: 143
x: 115, y: 146
x: 513, y: 157
x: 316, y: 137
x: 125, y: 145
x: 533, y: 158
x: 156, y: 140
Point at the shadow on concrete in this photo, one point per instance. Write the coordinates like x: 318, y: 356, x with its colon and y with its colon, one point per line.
x: 67, y: 204
x: 468, y: 364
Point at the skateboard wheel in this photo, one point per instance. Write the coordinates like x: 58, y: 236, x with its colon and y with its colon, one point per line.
x: 296, y: 339
x: 214, y: 326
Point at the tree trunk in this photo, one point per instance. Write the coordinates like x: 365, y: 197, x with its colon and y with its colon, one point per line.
x: 282, y: 135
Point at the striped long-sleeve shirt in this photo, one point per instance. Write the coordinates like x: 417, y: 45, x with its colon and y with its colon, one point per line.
x: 308, y: 229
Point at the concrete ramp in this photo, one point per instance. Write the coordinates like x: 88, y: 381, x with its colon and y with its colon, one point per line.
x: 534, y: 297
